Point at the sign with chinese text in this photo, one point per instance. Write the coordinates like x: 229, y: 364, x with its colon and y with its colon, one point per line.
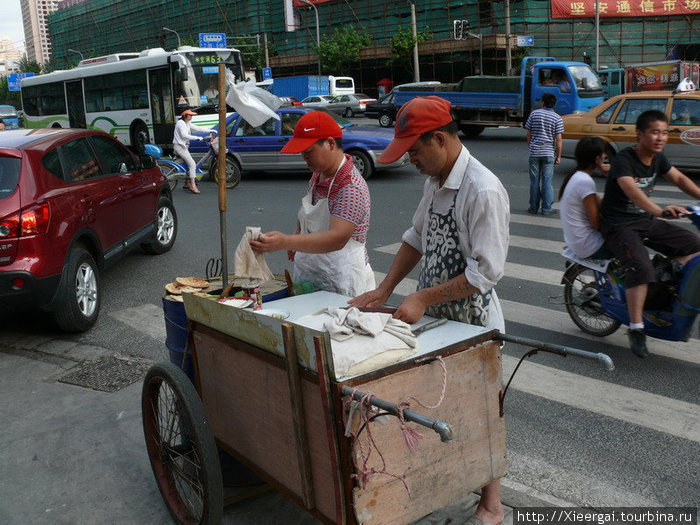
x: 14, y: 80
x: 652, y: 77
x: 617, y: 8
x: 267, y: 73
x: 217, y: 40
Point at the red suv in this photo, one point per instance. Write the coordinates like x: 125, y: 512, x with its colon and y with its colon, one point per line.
x: 71, y: 202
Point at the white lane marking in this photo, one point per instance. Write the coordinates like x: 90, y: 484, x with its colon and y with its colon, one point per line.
x: 534, y: 273
x: 541, y: 245
x: 560, y: 322
x: 146, y: 318
x: 644, y: 409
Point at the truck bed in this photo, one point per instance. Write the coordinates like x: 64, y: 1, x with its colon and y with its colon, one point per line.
x: 462, y: 100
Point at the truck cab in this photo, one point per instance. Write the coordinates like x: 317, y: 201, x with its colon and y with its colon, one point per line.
x: 612, y: 81
x: 575, y: 85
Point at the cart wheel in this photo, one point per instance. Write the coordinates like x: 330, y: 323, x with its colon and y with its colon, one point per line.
x: 181, y: 446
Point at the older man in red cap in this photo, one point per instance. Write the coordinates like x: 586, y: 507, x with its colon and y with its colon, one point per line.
x: 460, y: 230
x: 328, y: 246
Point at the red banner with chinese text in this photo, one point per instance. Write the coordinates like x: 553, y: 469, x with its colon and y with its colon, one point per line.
x: 617, y: 8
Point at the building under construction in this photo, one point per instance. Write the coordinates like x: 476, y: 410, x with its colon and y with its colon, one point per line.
x: 645, y: 31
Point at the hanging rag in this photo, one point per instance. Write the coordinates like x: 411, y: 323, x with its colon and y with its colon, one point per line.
x: 246, y: 262
x: 254, y: 104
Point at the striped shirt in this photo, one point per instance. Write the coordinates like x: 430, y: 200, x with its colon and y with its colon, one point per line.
x: 544, y: 125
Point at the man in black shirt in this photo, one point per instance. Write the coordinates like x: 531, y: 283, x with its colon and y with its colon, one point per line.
x: 630, y: 217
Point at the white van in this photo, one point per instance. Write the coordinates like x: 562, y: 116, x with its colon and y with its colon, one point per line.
x: 341, y: 85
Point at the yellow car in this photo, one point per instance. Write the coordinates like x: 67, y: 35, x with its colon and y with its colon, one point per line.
x: 614, y: 121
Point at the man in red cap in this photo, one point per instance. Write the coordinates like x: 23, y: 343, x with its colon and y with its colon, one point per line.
x: 328, y: 246
x: 459, y: 230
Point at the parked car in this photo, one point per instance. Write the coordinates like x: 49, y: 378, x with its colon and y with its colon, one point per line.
x: 258, y: 149
x: 385, y: 110
x: 72, y: 201
x: 350, y: 105
x: 317, y: 101
x: 614, y: 120
x: 290, y: 101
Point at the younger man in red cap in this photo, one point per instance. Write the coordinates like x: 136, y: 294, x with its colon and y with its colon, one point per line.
x: 459, y: 230
x: 328, y: 246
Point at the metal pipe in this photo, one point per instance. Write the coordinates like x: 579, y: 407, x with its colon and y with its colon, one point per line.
x: 509, y: 65
x: 597, y: 35
x: 414, y: 32
x: 604, y: 359
x: 443, y: 429
x: 318, y: 33
x: 176, y: 34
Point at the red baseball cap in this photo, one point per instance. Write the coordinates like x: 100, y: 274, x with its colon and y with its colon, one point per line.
x: 417, y: 116
x: 311, y: 128
x: 187, y: 112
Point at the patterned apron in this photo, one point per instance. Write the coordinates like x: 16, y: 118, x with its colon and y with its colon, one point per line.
x: 443, y: 260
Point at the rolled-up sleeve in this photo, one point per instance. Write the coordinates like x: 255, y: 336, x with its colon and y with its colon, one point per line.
x: 486, y: 216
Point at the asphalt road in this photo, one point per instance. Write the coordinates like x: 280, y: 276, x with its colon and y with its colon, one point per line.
x: 575, y: 431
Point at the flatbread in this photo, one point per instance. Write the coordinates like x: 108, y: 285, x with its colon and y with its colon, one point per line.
x: 176, y: 298
x: 194, y: 282
x: 173, y: 288
x: 189, y: 289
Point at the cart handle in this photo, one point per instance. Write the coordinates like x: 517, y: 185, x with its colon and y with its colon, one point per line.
x: 442, y: 428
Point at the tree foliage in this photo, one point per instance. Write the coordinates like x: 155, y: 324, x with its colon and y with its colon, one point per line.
x: 24, y: 65
x: 8, y: 97
x: 253, y: 55
x: 339, y: 50
x: 402, y: 47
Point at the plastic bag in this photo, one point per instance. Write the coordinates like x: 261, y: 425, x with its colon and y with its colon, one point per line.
x: 254, y: 104
x: 686, y: 85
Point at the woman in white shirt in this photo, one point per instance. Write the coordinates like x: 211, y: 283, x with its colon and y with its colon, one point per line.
x: 579, y: 204
x: 181, y: 142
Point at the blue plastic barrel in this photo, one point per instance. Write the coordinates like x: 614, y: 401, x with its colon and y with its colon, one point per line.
x: 177, y: 335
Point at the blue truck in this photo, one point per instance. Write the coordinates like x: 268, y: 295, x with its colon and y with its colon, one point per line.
x: 485, y: 101
x: 304, y: 86
x: 9, y: 117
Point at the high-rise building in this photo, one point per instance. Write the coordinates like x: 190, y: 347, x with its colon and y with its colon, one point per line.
x: 36, y: 31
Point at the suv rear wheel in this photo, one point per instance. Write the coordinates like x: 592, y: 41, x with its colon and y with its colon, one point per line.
x: 166, y: 228
x: 80, y: 292
x: 385, y: 120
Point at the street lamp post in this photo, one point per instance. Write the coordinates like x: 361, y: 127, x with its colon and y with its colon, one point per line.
x: 481, y: 50
x: 78, y: 52
x: 318, y: 32
x: 176, y: 34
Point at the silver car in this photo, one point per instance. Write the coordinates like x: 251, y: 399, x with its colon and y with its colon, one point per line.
x: 318, y: 101
x: 350, y: 105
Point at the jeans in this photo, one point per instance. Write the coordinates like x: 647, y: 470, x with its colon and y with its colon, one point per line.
x: 541, y: 172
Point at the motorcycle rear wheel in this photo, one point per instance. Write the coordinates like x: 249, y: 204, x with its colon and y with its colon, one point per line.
x: 583, y: 304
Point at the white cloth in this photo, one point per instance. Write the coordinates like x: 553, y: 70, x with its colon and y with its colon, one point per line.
x: 246, y: 262
x: 579, y: 235
x: 183, y: 133
x: 482, y: 212
x: 254, y: 104
x: 362, y: 341
x: 343, y: 271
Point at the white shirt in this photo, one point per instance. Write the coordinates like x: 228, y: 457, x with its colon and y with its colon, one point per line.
x: 183, y: 133
x: 578, y: 232
x: 482, y: 211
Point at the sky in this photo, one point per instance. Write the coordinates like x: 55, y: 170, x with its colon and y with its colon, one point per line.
x: 11, y: 22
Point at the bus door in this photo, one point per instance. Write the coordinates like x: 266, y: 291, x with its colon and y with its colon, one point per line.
x: 161, y: 93
x: 76, y: 104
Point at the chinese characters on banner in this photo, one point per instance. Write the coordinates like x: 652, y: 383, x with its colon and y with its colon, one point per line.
x: 617, y: 8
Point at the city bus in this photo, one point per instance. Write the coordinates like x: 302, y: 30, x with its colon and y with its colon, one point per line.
x: 135, y: 97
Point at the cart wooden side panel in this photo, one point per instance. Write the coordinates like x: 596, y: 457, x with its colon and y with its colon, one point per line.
x: 437, y: 473
x: 249, y: 410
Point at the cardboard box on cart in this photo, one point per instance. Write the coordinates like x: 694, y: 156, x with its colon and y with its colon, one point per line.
x: 293, y: 436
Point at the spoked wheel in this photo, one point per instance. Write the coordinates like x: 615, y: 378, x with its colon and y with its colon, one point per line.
x: 233, y: 172
x: 170, y: 172
x: 181, y: 446
x: 583, y: 303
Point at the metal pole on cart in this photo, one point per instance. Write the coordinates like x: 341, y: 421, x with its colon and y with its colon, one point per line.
x: 221, y: 175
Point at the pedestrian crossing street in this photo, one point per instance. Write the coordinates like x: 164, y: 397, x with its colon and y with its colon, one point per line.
x: 663, y: 414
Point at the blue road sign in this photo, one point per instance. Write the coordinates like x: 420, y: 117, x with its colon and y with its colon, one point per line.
x: 14, y: 80
x: 267, y: 73
x: 526, y: 41
x: 212, y: 40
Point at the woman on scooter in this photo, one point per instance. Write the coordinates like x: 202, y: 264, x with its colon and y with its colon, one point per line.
x: 580, y: 204
x: 181, y: 142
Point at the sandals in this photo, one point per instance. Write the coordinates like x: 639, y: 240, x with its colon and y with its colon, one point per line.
x: 188, y: 187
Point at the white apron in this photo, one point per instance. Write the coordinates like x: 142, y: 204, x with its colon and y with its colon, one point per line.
x: 342, y: 271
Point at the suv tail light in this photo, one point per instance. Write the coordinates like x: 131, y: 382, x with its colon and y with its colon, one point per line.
x: 32, y: 221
